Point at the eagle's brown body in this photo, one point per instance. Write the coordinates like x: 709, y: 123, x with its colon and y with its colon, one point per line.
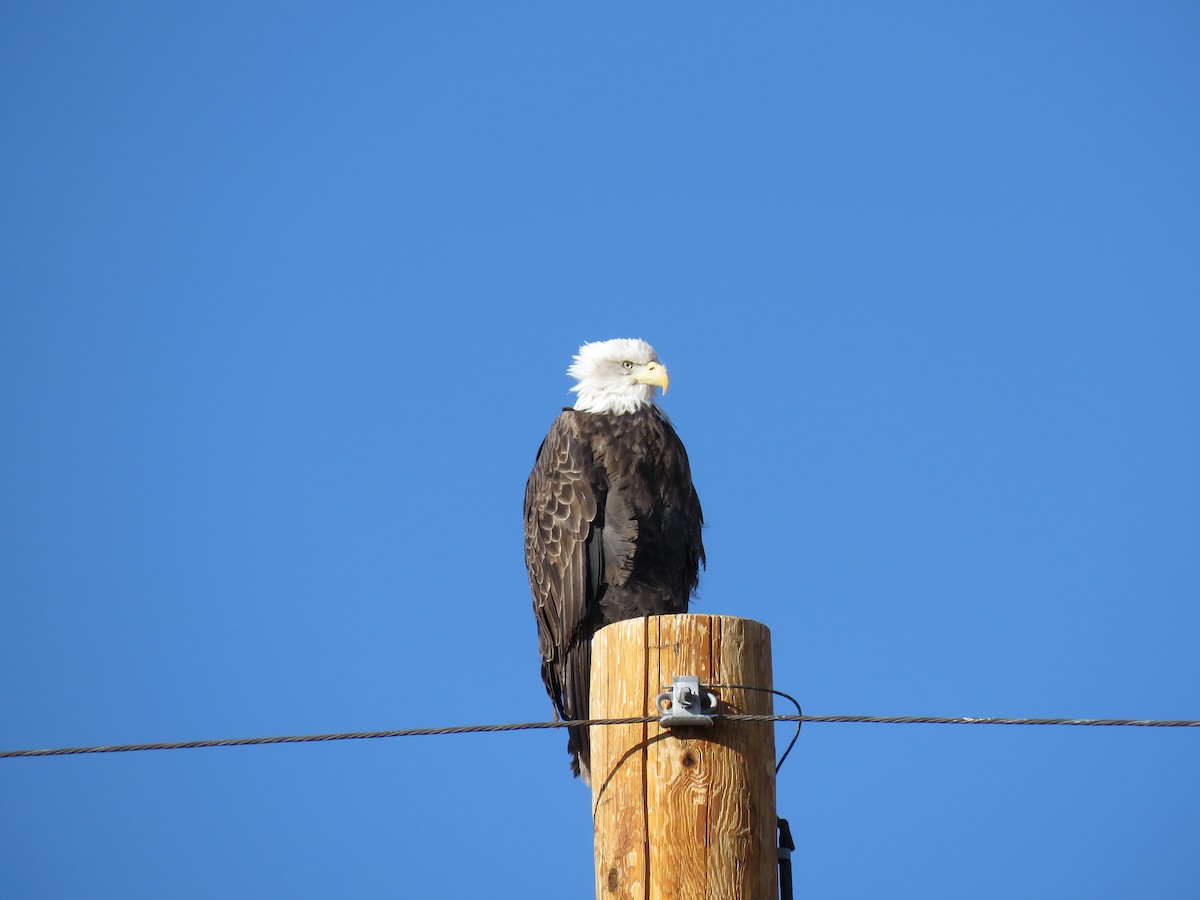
x: 612, y: 532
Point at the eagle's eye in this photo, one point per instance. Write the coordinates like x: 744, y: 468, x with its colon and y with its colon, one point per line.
x: 627, y: 364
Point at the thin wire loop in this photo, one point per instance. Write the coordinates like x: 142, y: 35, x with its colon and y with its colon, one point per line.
x: 789, y: 697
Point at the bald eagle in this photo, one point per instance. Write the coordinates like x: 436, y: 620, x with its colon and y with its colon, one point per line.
x: 612, y: 521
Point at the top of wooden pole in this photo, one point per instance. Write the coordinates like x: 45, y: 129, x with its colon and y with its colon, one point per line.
x: 683, y: 812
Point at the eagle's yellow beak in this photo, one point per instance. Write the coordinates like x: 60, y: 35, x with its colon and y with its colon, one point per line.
x: 656, y: 374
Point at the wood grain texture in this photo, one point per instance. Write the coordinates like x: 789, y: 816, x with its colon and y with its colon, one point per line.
x: 683, y: 813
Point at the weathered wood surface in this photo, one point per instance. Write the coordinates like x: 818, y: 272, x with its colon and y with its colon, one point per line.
x: 683, y: 814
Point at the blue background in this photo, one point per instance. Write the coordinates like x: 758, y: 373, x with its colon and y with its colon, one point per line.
x: 288, y: 295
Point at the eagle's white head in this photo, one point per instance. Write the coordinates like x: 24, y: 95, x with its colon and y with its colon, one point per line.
x: 616, y: 376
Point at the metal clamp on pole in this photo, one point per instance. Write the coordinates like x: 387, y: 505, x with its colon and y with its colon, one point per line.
x: 687, y: 703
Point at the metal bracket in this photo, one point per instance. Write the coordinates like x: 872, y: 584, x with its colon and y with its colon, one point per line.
x: 686, y: 703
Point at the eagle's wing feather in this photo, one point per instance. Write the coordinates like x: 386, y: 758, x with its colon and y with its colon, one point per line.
x: 565, y: 560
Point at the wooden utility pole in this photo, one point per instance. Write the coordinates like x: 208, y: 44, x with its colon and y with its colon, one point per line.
x: 683, y: 812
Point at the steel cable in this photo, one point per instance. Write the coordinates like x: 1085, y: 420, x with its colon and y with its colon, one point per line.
x: 632, y: 720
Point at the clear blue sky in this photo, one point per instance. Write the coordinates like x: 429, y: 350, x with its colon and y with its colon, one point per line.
x: 288, y: 294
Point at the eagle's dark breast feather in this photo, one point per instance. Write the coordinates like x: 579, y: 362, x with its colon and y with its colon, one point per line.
x: 612, y: 532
